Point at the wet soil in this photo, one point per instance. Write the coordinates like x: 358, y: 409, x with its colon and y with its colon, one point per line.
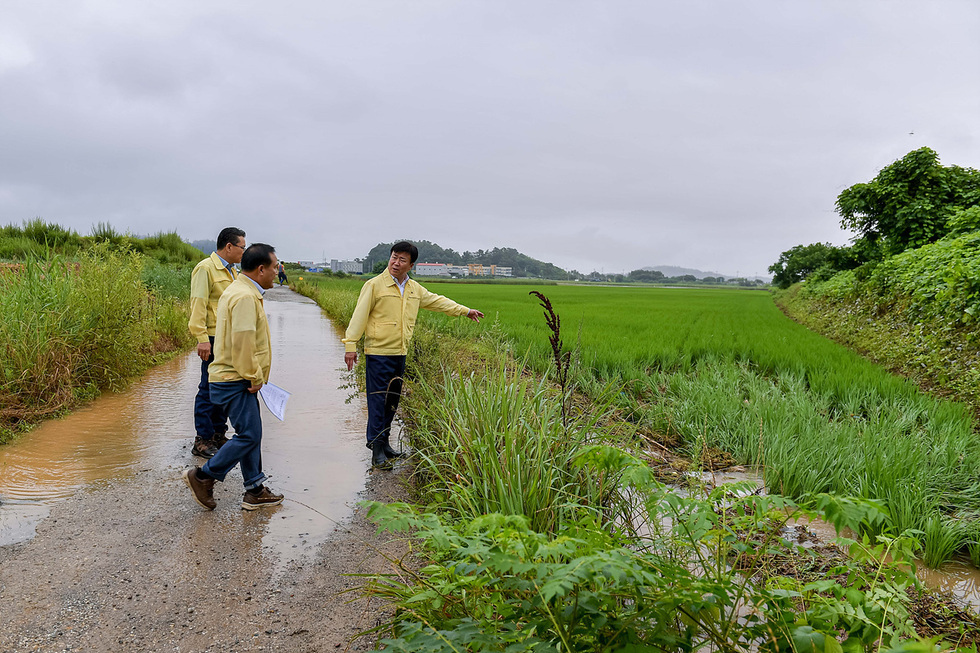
x: 135, y: 565
x: 103, y: 549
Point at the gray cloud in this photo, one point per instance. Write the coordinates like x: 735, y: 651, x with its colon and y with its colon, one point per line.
x: 594, y: 135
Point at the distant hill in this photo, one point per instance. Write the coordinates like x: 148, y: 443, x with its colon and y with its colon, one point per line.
x: 429, y: 252
x: 675, y: 271
x: 206, y: 246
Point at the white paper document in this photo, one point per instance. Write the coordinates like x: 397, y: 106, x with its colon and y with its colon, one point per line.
x: 275, y: 399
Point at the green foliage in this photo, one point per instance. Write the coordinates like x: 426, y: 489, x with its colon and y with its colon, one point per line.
x: 493, y: 583
x: 496, y: 441
x: 964, y: 221
x: 817, y: 261
x: 36, y: 238
x: 168, y: 248
x: 646, y: 275
x: 39, y: 239
x: 909, y: 202
x: 939, y: 282
x: 71, y: 329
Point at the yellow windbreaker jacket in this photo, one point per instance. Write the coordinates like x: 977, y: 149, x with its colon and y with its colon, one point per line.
x: 208, y: 280
x: 242, y: 347
x: 386, y: 318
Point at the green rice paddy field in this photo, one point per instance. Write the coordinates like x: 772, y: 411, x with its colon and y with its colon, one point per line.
x: 725, y: 368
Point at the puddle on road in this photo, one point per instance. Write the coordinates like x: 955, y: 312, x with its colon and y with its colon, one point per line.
x: 315, y: 457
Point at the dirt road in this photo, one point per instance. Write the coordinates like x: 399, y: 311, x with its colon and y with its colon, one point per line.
x: 135, y: 565
x: 128, y: 562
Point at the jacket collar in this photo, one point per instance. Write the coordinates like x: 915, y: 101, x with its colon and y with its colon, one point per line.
x: 251, y: 285
x: 390, y: 280
x: 218, y: 265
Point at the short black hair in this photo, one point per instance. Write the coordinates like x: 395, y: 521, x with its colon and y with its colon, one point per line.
x: 255, y: 255
x: 405, y: 246
x: 229, y: 235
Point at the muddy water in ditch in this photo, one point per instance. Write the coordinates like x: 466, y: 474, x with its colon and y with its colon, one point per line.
x: 956, y: 578
x: 315, y: 457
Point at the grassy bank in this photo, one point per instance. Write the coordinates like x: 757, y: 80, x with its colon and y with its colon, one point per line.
x: 725, y: 369
x: 916, y: 312
x: 543, y: 532
x: 82, y: 315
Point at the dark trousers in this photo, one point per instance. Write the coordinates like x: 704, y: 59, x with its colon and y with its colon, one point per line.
x: 245, y: 448
x: 384, y: 389
x: 209, y: 418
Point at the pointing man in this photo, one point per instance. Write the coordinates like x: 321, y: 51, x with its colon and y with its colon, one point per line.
x: 210, y: 278
x: 386, y: 309
x: 242, y: 360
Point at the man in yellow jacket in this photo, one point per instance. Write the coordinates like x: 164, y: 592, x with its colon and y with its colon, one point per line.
x: 242, y: 360
x: 209, y: 279
x: 385, y: 315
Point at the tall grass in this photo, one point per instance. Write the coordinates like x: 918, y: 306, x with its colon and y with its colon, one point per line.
x: 39, y: 239
x: 497, y: 441
x: 70, y: 329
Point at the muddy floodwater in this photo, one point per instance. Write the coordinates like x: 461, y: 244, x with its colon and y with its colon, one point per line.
x: 315, y: 457
x: 956, y: 578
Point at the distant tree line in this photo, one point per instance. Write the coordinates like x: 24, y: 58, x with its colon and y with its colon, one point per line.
x: 429, y: 252
x: 910, y: 203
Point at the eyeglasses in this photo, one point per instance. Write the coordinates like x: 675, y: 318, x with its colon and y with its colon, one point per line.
x: 242, y: 247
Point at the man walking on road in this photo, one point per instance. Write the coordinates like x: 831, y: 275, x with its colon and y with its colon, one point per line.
x: 210, y: 278
x: 386, y: 309
x: 242, y: 360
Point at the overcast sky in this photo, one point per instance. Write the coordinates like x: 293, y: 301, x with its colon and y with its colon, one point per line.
x: 598, y: 135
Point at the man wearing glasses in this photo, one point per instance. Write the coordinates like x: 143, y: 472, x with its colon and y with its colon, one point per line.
x: 210, y: 278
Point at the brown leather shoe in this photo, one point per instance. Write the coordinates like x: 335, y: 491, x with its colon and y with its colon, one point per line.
x: 203, y: 490
x: 218, y: 440
x: 204, y: 448
x: 265, y: 498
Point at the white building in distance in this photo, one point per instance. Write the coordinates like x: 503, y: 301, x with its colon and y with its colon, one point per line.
x: 350, y: 267
x: 475, y: 269
x: 432, y: 269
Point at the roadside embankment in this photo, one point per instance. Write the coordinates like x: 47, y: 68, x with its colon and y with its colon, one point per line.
x: 941, y: 355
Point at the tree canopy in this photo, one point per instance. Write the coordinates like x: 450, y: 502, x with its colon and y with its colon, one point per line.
x: 908, y: 204
x: 646, y: 275
x: 807, y: 261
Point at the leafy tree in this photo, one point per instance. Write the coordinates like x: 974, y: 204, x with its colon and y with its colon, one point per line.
x: 429, y: 252
x: 805, y: 261
x: 646, y: 275
x: 908, y: 204
x: 965, y: 220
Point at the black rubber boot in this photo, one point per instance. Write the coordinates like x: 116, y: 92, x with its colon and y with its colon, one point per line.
x: 391, y: 453
x: 378, y: 458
